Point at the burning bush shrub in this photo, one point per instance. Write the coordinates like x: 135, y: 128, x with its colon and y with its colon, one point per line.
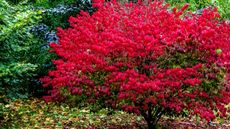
x: 145, y: 59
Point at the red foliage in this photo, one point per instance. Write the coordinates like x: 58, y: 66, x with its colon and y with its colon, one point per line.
x: 138, y: 56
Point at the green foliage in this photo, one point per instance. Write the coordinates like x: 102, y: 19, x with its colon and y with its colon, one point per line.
x: 222, y: 5
x: 52, y: 3
x: 16, y: 17
x: 22, y: 64
x: 22, y: 58
x: 59, y: 17
x: 14, y: 1
x: 54, y: 20
x: 42, y: 3
x: 194, y: 4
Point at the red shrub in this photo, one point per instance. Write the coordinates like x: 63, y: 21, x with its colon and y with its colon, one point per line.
x: 145, y: 59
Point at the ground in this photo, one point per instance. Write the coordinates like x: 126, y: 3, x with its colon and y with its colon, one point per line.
x: 36, y: 113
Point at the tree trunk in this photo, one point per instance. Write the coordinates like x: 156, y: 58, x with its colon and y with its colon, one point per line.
x: 152, y: 119
x: 151, y: 124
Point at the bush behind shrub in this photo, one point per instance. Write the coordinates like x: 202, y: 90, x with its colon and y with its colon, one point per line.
x: 22, y: 58
x: 26, y: 30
